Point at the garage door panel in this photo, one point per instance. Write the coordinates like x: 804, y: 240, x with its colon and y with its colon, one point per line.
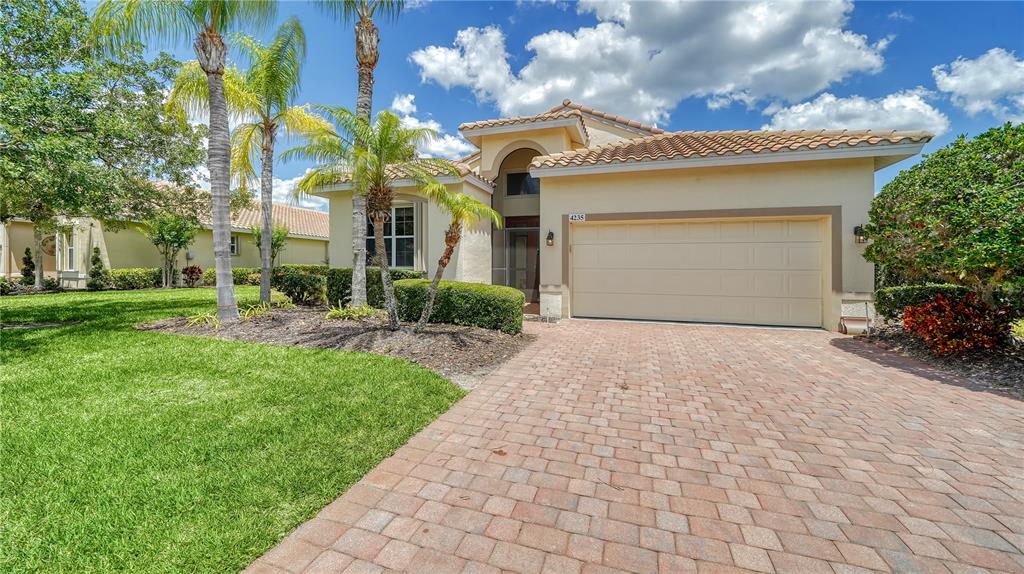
x: 751, y: 271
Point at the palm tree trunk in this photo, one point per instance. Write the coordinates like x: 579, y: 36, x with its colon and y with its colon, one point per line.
x: 367, y: 41
x: 37, y: 239
x: 385, y: 273
x: 210, y: 51
x: 451, y: 239
x: 266, y: 205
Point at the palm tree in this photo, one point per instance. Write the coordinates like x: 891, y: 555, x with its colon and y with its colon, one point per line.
x: 118, y: 23
x: 372, y: 156
x: 262, y: 96
x: 464, y: 210
x: 367, y: 54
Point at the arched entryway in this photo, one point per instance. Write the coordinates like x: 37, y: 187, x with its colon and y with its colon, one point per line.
x: 516, y: 248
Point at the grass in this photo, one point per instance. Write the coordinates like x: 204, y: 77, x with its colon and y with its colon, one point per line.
x: 125, y: 450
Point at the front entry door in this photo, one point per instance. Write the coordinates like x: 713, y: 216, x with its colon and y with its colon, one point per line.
x: 524, y: 261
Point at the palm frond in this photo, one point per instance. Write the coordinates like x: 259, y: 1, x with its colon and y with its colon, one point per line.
x: 246, y: 144
x: 118, y: 23
x: 300, y: 121
x: 227, y: 15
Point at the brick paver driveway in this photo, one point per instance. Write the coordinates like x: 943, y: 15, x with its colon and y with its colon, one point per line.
x: 612, y: 446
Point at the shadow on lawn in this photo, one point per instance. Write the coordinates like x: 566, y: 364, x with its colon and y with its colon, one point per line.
x: 892, y: 359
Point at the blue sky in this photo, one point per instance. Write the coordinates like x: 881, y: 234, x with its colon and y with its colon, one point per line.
x: 946, y: 67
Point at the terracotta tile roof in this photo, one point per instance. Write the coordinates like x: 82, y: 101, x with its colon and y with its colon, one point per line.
x: 298, y: 220
x: 522, y: 120
x: 569, y: 104
x: 462, y: 168
x: 680, y: 145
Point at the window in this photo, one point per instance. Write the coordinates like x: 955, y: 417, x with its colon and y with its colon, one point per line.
x: 521, y: 184
x: 234, y: 245
x: 399, y: 238
x: 69, y: 263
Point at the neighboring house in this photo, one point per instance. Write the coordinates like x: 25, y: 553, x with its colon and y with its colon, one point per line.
x: 67, y: 254
x: 608, y: 217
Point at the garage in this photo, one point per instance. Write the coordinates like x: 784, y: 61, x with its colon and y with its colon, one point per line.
x: 755, y: 271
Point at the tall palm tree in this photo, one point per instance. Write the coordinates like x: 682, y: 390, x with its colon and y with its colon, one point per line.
x: 464, y: 210
x: 262, y: 98
x: 372, y: 156
x: 367, y: 54
x: 118, y: 23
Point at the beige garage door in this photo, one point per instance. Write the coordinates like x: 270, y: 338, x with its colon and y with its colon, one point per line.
x: 751, y: 271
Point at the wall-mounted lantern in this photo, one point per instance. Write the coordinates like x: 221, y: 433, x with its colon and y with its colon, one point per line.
x: 858, y: 234
x: 550, y: 239
x: 188, y: 255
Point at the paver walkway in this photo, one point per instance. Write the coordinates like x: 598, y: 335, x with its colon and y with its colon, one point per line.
x: 614, y: 446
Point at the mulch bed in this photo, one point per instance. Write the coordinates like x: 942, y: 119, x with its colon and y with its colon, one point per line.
x: 462, y: 354
x: 1001, y: 370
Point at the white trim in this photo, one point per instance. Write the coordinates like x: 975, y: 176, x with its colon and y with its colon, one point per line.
x: 905, y: 150
x: 570, y: 122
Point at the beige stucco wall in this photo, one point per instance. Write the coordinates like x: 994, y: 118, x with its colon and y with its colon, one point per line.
x: 18, y: 237
x: 604, y: 133
x: 848, y: 184
x: 494, y: 148
x: 471, y: 260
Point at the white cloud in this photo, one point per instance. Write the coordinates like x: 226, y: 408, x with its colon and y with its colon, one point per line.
x: 442, y: 145
x: 993, y: 83
x: 404, y: 104
x: 283, y: 194
x: 900, y: 15
x: 907, y: 110
x: 642, y: 58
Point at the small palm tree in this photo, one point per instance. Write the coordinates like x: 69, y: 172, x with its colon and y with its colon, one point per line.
x: 463, y: 210
x: 367, y: 54
x: 262, y: 98
x: 119, y: 23
x: 372, y: 156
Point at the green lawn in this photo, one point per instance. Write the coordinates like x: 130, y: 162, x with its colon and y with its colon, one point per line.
x: 134, y: 451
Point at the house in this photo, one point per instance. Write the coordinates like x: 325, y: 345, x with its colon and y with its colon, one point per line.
x: 67, y: 253
x: 606, y: 217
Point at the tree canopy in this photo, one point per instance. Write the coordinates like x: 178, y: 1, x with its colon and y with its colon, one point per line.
x: 82, y: 134
x: 958, y: 215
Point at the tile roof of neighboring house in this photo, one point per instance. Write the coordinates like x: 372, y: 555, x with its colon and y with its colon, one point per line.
x: 517, y: 120
x: 298, y: 220
x: 704, y: 144
x: 569, y: 104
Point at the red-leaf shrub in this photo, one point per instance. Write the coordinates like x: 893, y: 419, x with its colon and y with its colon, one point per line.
x: 951, y: 325
x: 191, y: 275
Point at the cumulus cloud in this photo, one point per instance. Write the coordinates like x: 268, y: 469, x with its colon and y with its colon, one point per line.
x: 443, y: 145
x: 907, y: 110
x: 283, y: 194
x: 993, y: 83
x: 642, y: 58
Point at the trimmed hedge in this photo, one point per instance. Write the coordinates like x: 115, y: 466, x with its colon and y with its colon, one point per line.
x: 239, y: 275
x: 136, y: 278
x: 339, y: 285
x: 477, y: 304
x: 304, y: 284
x: 891, y: 301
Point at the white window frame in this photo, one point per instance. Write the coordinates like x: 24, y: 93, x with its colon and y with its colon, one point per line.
x: 69, y: 252
x: 392, y: 239
x: 235, y: 245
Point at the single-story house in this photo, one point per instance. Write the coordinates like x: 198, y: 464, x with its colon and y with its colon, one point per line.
x: 607, y: 217
x: 67, y: 254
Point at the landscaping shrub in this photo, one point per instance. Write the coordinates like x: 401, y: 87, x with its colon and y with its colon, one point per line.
x: 239, y: 276
x: 192, y: 275
x: 477, y: 304
x: 6, y: 286
x: 354, y: 313
x: 891, y: 301
x: 28, y: 268
x: 303, y: 288
x: 951, y: 324
x: 136, y: 277
x: 277, y: 299
x: 339, y: 284
x: 51, y: 284
x: 99, y: 278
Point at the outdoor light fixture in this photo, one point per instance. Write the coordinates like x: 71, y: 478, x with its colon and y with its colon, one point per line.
x: 188, y: 255
x: 858, y: 234
x: 551, y: 238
